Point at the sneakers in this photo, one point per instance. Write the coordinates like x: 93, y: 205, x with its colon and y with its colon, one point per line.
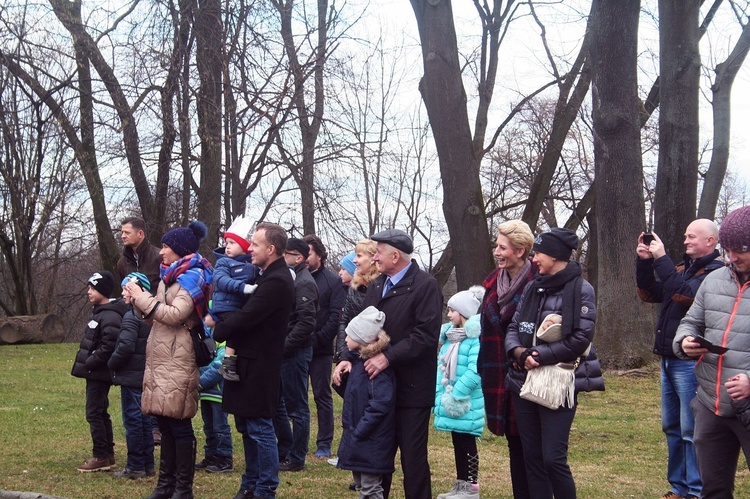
x: 128, y: 473
x: 289, y: 465
x: 220, y: 466
x: 462, y: 490
x: 672, y: 495
x: 333, y: 461
x: 244, y: 494
x: 97, y: 464
x: 205, y: 463
x: 228, y: 368
x: 323, y: 452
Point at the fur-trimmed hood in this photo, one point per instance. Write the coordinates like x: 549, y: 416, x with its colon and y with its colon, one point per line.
x: 472, y: 327
x: 371, y: 350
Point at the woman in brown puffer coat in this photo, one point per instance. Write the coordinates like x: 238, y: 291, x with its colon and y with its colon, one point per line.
x: 170, y: 380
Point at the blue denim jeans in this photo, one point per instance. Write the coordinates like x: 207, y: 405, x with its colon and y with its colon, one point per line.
x: 261, y: 457
x: 294, y: 406
x: 217, y: 430
x: 138, y: 430
x: 678, y: 387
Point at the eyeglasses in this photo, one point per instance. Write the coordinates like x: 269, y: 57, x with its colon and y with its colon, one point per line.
x: 293, y: 253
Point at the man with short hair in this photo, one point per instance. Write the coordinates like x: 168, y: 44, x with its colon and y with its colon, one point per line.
x: 675, y: 289
x: 293, y: 405
x: 259, y: 329
x: 331, y: 298
x: 413, y: 306
x: 138, y: 255
x: 720, y: 316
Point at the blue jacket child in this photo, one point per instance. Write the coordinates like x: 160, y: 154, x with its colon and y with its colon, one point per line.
x: 368, y: 443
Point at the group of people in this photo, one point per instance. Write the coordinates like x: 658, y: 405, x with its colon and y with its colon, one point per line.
x: 281, y: 318
x: 702, y: 339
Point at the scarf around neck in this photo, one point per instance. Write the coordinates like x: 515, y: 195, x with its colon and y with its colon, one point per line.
x: 570, y: 281
x: 450, y: 359
x: 195, y: 274
x: 508, y: 287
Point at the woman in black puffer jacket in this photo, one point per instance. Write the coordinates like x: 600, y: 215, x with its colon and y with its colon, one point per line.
x: 560, y: 289
x: 366, y: 272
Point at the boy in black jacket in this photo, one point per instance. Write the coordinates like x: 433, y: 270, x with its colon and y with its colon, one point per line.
x: 97, y: 345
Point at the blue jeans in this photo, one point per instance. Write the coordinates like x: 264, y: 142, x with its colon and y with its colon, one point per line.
x: 261, y: 458
x: 139, y: 435
x: 217, y: 431
x: 678, y: 387
x: 294, y: 406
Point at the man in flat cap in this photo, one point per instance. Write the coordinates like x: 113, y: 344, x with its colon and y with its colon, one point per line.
x: 413, y: 304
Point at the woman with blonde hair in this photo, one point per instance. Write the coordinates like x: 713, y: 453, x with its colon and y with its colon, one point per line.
x: 503, y: 288
x: 366, y: 272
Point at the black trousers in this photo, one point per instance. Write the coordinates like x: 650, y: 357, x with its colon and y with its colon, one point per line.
x: 412, y: 429
x: 100, y: 424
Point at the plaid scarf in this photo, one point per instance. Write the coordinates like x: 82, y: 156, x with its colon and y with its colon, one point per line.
x: 195, y: 274
x: 491, y: 363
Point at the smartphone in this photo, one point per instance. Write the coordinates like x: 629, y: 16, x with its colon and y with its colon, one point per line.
x: 717, y: 349
x: 647, y: 238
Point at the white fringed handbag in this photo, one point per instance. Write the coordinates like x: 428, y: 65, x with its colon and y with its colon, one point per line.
x: 551, y: 386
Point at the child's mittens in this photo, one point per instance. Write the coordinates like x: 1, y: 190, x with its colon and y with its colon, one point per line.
x: 455, y: 407
x: 249, y: 289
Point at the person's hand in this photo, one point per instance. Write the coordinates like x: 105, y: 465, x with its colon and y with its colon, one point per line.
x: 134, y: 289
x: 738, y: 387
x: 209, y: 321
x: 656, y: 248
x: 692, y: 348
x: 342, y: 367
x: 375, y: 365
x: 531, y: 362
x: 642, y: 249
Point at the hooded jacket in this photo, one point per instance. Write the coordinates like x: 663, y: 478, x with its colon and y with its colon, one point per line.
x: 230, y: 277
x: 459, y: 406
x: 368, y: 443
x: 98, y: 342
x: 721, y: 314
x: 675, y: 289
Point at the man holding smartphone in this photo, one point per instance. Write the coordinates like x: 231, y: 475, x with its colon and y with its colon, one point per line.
x: 660, y: 281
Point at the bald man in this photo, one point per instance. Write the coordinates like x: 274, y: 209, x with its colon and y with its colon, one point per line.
x: 660, y: 281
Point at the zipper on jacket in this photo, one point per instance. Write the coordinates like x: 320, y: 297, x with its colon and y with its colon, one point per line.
x: 720, y: 363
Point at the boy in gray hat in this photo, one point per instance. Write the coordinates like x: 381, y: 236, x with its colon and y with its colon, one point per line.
x: 368, y: 444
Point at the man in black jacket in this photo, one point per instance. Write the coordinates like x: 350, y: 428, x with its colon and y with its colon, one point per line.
x: 293, y: 404
x: 331, y: 298
x: 675, y: 289
x: 413, y: 306
x: 138, y: 255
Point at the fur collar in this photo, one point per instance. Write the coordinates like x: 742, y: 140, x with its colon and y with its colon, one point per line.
x: 472, y: 327
x: 371, y: 350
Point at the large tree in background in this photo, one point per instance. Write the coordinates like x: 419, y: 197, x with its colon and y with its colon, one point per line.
x: 445, y: 100
x: 679, y: 79
x: 623, y: 333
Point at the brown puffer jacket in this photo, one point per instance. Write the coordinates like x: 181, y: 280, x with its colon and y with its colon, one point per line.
x: 170, y: 381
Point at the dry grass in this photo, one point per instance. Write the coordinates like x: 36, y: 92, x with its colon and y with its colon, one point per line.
x: 617, y: 447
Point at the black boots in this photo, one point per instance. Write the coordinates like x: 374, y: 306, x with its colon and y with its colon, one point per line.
x: 167, y: 466
x: 185, y: 469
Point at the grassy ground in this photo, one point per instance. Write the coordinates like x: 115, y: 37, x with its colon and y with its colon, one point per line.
x: 617, y: 447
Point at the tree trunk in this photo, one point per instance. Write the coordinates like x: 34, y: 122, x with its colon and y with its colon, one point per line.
x: 444, y: 97
x: 623, y: 333
x: 209, y: 60
x: 679, y: 78
x: 23, y: 329
x: 722, y: 91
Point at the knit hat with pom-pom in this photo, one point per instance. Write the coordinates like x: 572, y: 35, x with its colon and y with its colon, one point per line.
x: 467, y: 302
x: 185, y: 241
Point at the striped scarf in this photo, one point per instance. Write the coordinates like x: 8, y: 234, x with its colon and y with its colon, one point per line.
x: 195, y: 274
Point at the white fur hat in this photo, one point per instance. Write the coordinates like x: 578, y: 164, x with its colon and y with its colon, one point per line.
x: 365, y: 327
x: 467, y: 302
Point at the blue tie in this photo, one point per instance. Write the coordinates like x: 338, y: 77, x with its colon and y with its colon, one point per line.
x: 388, y: 286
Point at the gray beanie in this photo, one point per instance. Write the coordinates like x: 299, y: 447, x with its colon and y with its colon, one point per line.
x: 365, y: 327
x: 467, y: 302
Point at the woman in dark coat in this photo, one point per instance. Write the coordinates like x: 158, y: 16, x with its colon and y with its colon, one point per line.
x: 559, y: 288
x: 503, y: 288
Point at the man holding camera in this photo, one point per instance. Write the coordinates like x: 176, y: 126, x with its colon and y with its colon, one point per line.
x: 659, y: 281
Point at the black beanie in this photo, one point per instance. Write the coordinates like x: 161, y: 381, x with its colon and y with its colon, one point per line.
x: 103, y: 281
x: 186, y: 240
x: 557, y: 242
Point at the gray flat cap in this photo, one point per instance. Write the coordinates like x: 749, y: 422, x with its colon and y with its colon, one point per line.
x: 396, y: 238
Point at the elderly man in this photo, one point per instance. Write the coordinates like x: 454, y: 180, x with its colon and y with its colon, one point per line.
x: 720, y: 319
x: 259, y: 329
x: 675, y: 289
x: 413, y: 306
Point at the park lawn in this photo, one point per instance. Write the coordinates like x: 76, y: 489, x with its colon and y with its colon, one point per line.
x: 617, y: 448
